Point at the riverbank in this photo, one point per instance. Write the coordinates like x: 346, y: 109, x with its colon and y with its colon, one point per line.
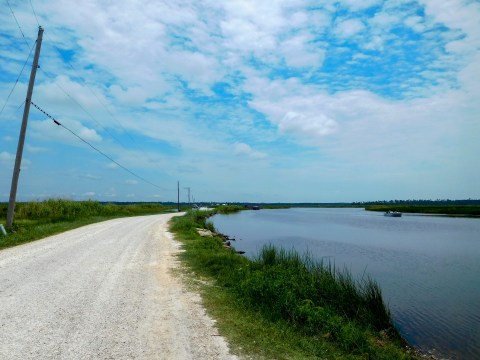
x: 286, y: 306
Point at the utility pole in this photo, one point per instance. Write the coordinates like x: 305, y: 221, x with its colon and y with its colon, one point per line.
x: 23, y: 130
x: 187, y: 188
x: 178, y: 196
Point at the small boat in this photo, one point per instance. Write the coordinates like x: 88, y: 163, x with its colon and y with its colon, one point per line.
x: 393, y: 213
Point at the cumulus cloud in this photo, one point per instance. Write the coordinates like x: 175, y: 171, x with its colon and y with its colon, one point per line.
x: 313, y: 126
x: 6, y: 157
x: 298, y: 53
x: 416, y: 23
x: 348, y: 28
x: 364, y: 128
x: 245, y: 149
x: 356, y: 5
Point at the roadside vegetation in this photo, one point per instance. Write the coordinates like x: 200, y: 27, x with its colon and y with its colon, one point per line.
x: 451, y: 210
x: 36, y: 220
x: 282, y: 305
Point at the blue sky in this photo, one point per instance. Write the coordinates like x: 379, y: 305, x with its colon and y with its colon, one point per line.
x: 278, y: 101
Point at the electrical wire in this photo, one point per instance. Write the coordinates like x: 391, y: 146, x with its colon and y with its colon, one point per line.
x: 18, y: 78
x: 93, y: 93
x: 77, y: 103
x: 34, y: 13
x: 18, y: 24
x: 84, y: 110
x: 98, y: 100
x: 96, y: 149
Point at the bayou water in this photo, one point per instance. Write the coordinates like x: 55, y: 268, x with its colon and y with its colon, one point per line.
x: 427, y: 266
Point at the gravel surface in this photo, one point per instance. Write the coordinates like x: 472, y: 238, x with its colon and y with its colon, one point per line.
x: 103, y: 291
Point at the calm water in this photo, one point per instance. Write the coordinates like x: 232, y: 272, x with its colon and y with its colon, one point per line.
x: 428, y: 267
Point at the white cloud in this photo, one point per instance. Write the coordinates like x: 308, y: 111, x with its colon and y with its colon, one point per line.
x: 134, y: 95
x: 6, y: 157
x: 360, y: 127
x: 348, y: 28
x: 313, y: 126
x: 356, y: 5
x: 416, y: 23
x: 245, y: 149
x: 298, y: 52
x: 47, y: 130
x: 375, y: 43
x: 131, y: 182
x: 89, y: 134
x: 457, y: 15
x: 35, y: 149
x: 112, y: 166
x: 89, y: 194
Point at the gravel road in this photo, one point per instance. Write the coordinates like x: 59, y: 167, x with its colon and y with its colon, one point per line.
x: 103, y: 291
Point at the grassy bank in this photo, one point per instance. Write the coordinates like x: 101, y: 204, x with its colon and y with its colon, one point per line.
x: 451, y: 210
x: 283, y: 305
x: 36, y: 220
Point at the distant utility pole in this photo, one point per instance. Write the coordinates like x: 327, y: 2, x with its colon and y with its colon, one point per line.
x: 178, y: 196
x: 23, y: 130
x: 188, y: 189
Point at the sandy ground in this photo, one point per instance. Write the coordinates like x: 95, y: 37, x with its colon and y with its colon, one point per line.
x: 103, y: 291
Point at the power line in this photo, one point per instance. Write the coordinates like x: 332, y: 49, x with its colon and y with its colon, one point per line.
x: 98, y: 99
x: 34, y: 13
x: 62, y: 89
x: 73, y: 99
x: 96, y: 149
x: 91, y: 90
x: 18, y: 78
x: 18, y: 24
x: 84, y: 110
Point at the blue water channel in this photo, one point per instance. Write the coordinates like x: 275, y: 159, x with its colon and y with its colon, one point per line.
x: 427, y: 266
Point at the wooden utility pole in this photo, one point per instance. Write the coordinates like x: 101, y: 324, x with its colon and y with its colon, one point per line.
x: 23, y: 130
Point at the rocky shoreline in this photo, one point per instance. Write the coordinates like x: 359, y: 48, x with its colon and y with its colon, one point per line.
x: 227, y: 241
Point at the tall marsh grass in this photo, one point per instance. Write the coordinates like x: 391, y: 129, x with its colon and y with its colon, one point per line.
x: 38, y: 219
x: 53, y: 210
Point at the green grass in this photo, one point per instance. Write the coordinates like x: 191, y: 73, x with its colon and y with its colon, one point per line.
x: 283, y: 305
x: 228, y: 209
x: 36, y: 220
x: 451, y: 210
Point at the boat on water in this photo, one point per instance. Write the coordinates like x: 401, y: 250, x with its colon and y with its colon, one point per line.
x: 393, y: 213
